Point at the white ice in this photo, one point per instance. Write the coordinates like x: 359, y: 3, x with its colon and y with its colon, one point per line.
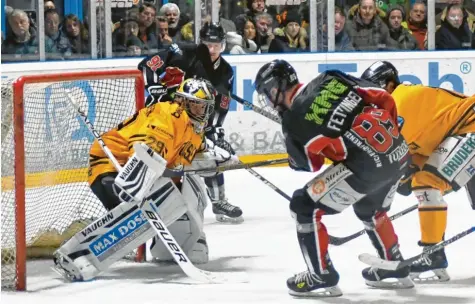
x: 266, y: 248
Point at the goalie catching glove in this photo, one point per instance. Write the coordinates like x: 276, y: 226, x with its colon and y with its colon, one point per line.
x: 211, y: 157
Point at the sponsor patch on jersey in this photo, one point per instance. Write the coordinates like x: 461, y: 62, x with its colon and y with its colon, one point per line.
x: 335, y: 106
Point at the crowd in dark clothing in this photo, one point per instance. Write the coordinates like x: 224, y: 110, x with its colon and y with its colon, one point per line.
x: 252, y: 28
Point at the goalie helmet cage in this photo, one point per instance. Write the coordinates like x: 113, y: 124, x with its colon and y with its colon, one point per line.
x: 45, y: 152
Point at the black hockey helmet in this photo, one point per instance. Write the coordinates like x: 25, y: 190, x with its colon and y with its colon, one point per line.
x: 212, y: 32
x: 274, y: 78
x: 381, y: 72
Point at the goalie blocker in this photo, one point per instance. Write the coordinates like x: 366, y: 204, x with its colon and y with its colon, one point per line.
x: 125, y: 226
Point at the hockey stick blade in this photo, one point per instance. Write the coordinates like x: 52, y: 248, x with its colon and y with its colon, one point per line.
x: 337, y: 241
x: 395, y: 265
x: 180, y: 257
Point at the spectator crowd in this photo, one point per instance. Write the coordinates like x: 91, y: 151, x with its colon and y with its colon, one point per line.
x: 252, y: 27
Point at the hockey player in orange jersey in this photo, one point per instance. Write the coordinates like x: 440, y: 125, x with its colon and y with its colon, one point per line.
x: 438, y: 125
x: 175, y: 133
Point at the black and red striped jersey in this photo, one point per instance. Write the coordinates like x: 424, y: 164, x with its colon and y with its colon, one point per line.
x: 344, y: 119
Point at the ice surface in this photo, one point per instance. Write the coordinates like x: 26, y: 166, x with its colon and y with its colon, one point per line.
x: 265, y: 247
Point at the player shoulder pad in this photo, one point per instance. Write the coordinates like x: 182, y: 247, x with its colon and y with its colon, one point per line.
x: 330, y: 103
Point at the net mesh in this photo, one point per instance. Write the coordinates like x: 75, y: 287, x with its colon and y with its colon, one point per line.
x: 59, y: 201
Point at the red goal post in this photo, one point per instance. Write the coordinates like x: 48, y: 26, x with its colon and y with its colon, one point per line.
x: 45, y: 195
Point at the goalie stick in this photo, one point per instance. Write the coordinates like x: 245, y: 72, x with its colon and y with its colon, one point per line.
x: 377, y: 262
x: 156, y: 222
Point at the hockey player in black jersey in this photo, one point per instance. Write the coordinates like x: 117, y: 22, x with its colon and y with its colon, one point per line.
x: 164, y: 71
x: 345, y: 119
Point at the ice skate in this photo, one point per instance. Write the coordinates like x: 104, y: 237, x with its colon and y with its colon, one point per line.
x: 431, y: 268
x: 227, y: 213
x: 387, y: 279
x: 310, y: 285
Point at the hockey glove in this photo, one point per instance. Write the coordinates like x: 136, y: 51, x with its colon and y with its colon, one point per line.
x: 405, y: 183
x: 172, y: 77
x: 216, y: 135
x: 294, y: 166
x: 175, y: 48
x: 211, y: 158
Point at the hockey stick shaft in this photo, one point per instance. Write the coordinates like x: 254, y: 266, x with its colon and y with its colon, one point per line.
x: 256, y: 109
x: 153, y: 217
x: 269, y: 184
x: 334, y: 240
x: 239, y: 166
x: 337, y: 241
x: 168, y: 172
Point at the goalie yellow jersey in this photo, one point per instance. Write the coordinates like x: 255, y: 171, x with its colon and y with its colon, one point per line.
x: 165, y: 127
x: 431, y: 114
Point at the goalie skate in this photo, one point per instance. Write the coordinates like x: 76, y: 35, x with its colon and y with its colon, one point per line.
x: 227, y: 213
x: 65, y: 267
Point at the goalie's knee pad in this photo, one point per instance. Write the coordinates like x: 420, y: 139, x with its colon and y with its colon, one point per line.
x: 454, y: 160
x: 188, y: 229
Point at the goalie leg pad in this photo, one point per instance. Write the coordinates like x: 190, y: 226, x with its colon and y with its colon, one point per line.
x: 103, y: 242
x: 99, y: 245
x: 188, y: 229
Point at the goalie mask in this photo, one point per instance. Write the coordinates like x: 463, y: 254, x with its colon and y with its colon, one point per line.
x: 197, y: 98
